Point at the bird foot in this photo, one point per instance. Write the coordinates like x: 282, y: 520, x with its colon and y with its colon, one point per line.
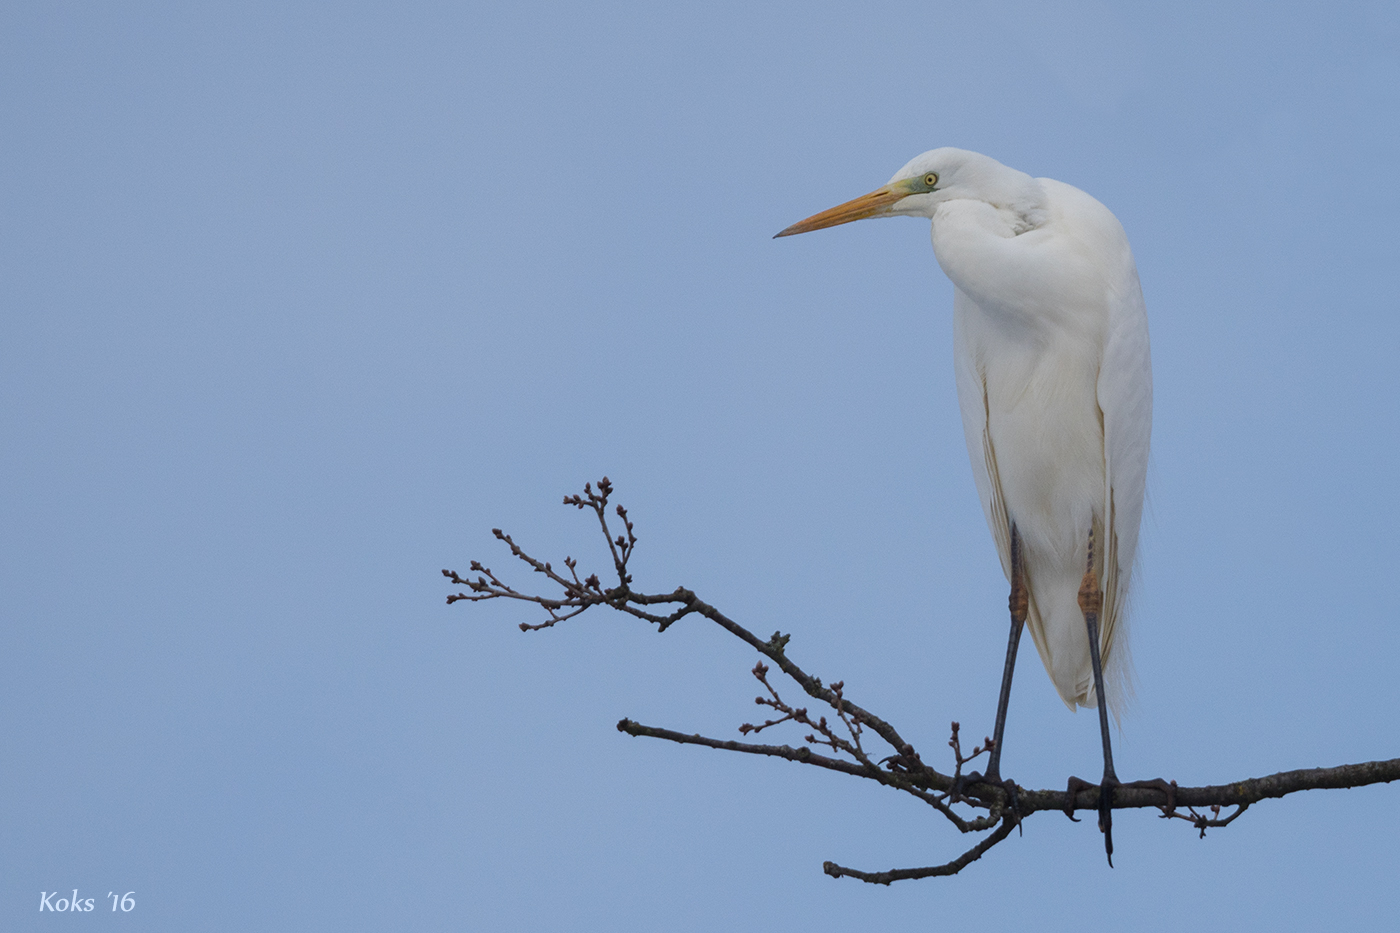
x: 1013, y: 790
x: 1105, y: 807
x: 1106, y: 787
x: 962, y: 782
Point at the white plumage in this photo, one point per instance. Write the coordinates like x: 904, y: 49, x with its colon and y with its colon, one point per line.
x: 1054, y: 380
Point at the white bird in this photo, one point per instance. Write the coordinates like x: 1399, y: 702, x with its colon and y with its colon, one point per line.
x: 1054, y: 379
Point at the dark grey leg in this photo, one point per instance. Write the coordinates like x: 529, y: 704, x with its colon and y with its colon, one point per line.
x: 1091, y: 604
x: 1018, y: 602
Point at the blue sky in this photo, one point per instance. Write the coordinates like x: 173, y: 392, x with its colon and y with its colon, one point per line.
x: 303, y: 299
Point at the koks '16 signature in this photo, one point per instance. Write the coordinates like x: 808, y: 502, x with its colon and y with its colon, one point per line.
x: 47, y: 902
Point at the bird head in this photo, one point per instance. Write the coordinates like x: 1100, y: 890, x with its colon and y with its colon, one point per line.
x: 929, y: 180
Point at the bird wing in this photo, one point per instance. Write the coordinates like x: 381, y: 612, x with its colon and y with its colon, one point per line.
x: 972, y: 398
x: 1124, y: 390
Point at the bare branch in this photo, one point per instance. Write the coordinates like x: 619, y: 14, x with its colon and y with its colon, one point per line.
x: 948, y: 868
x: 1007, y: 805
x: 1237, y: 793
x: 804, y: 755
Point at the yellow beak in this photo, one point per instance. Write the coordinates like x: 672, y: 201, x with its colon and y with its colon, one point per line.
x: 867, y: 205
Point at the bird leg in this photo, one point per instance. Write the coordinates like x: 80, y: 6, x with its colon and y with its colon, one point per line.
x: 1019, y: 601
x: 1091, y: 604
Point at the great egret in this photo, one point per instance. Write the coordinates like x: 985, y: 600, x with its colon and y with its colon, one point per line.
x: 1054, y: 379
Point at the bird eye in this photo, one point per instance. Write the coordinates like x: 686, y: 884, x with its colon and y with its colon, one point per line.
x: 931, y: 179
